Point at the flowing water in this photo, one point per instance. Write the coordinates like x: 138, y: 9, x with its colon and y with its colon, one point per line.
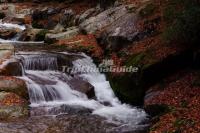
x: 49, y: 90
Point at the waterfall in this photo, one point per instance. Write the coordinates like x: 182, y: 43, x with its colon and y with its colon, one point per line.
x: 41, y: 63
x: 49, y: 88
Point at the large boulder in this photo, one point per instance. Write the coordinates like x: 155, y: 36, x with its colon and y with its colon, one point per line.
x: 105, y: 18
x: 11, y: 67
x: 14, y: 85
x: 120, y: 32
x: 82, y: 86
x: 70, y: 32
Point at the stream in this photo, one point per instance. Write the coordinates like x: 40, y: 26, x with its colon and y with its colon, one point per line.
x: 56, y: 106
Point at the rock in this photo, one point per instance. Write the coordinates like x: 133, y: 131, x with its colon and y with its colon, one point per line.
x: 14, y: 20
x: 68, y: 18
x: 120, y: 32
x: 40, y: 14
x: 12, y: 67
x: 71, y: 32
x: 105, y: 18
x: 14, y: 85
x: 58, y: 28
x: 82, y: 86
x: 106, y: 3
x: 6, y: 47
x: 156, y: 109
x: 29, y: 34
x: 7, y: 33
x: 87, y: 14
x: 13, y: 112
x: 2, y: 15
x: 12, y: 106
x: 45, y: 17
x: 6, y: 51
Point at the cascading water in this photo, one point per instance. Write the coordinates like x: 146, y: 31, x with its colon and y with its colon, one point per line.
x: 14, y: 40
x: 49, y: 88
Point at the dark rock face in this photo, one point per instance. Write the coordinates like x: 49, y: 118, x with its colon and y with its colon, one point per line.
x: 106, y: 3
x: 82, y: 86
x: 2, y: 15
x: 48, y: 18
x: 7, y: 33
x: 13, y: 68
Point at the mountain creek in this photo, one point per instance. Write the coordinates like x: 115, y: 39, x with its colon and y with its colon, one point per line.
x: 51, y: 53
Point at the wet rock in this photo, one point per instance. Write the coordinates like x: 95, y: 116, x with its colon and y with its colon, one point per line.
x: 71, y: 32
x: 14, y: 85
x: 29, y: 34
x: 82, y: 86
x: 59, y: 110
x: 14, y: 20
x: 13, y: 67
x: 77, y: 123
x: 7, y: 33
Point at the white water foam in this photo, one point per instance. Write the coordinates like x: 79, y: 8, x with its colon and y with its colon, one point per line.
x: 48, y: 88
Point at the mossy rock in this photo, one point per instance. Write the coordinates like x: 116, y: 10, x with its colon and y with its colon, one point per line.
x: 127, y: 88
x: 40, y: 36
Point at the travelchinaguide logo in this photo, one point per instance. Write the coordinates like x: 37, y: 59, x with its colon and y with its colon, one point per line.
x: 106, y: 66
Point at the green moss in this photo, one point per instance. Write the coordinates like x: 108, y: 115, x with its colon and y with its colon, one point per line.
x: 148, y: 10
x: 127, y: 88
x: 135, y: 60
x: 36, y: 25
x: 40, y: 36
